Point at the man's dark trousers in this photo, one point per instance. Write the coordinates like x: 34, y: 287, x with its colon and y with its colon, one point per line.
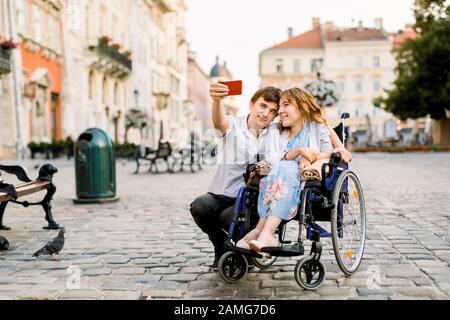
x: 213, y: 213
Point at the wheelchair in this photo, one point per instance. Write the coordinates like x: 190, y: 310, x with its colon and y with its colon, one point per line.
x: 337, y: 199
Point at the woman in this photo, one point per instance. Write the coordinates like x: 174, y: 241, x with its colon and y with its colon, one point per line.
x: 305, y: 137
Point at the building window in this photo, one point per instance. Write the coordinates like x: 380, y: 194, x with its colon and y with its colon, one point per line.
x: 341, y: 85
x: 316, y: 65
x: 37, y: 23
x: 279, y: 65
x: 376, y: 62
x: 376, y: 85
x: 91, y: 85
x: 358, y: 62
x: 358, y: 85
x: 296, y: 65
x: 20, y: 12
x: 88, y: 22
x: 339, y: 62
x: 116, y: 94
x: 53, y: 32
x: 105, y: 91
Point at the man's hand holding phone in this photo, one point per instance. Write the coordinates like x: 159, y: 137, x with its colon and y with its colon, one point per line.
x: 223, y: 89
x: 218, y: 91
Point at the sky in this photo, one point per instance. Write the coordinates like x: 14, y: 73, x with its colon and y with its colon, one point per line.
x: 238, y: 30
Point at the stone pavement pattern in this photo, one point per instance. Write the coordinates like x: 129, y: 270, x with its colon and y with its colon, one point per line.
x: 147, y: 246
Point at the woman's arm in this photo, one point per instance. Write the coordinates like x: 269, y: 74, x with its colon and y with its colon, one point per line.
x: 308, y: 153
x: 339, y: 146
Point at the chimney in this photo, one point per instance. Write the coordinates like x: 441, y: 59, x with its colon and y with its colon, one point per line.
x: 379, y: 23
x: 360, y: 26
x: 329, y: 26
x: 316, y: 23
x: 290, y: 32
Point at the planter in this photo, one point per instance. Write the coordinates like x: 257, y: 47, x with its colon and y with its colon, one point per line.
x: 404, y: 149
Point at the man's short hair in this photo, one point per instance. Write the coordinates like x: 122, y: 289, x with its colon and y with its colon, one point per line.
x: 269, y: 94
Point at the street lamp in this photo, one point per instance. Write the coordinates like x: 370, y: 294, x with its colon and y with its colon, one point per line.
x: 136, y: 98
x: 162, y: 99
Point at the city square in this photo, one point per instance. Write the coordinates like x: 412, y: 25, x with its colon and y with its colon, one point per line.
x: 130, y: 129
x: 146, y: 246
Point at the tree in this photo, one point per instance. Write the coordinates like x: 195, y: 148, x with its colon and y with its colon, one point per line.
x: 423, y: 67
x: 137, y: 119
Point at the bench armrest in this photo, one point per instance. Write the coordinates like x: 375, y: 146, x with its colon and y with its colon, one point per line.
x: 18, y: 171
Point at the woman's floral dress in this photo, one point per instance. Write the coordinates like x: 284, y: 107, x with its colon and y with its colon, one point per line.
x: 280, y: 191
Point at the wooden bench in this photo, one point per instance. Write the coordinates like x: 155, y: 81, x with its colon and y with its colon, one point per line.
x: 164, y: 152
x: 28, y: 187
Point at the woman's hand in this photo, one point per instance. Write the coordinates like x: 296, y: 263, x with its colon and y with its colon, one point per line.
x: 304, y: 163
x: 345, y: 154
x: 309, y: 154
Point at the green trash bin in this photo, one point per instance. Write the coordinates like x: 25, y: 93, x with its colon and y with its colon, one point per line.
x: 95, y: 167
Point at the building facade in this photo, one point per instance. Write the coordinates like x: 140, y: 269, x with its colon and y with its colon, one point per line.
x: 87, y: 63
x: 98, y: 66
x: 359, y: 60
x: 7, y: 120
x: 40, y: 33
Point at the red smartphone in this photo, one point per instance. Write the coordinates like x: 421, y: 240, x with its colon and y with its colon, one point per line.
x: 234, y: 86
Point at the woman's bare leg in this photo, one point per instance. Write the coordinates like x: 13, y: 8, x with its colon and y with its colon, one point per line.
x: 271, y: 224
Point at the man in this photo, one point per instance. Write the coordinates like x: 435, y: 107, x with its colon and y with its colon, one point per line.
x: 242, y: 138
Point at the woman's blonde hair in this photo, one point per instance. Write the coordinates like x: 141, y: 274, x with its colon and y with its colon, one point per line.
x: 305, y: 103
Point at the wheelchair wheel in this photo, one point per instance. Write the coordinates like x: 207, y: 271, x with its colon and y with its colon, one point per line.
x: 348, y: 222
x: 264, y: 262
x: 267, y: 261
x: 233, y: 267
x: 308, y: 275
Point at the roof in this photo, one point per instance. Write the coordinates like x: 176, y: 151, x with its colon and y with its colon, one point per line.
x: 356, y: 34
x: 308, y: 40
x: 220, y: 71
x: 401, y: 37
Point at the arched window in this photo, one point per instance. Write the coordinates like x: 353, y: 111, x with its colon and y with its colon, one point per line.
x: 91, y: 85
x: 116, y: 94
x: 105, y: 90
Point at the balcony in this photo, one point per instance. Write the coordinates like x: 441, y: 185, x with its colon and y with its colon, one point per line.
x: 5, y: 60
x: 110, y: 57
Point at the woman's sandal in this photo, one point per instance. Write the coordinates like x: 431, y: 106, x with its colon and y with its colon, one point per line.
x: 264, y: 240
x: 252, y: 235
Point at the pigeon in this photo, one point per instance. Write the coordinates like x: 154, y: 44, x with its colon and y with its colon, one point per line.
x: 52, y: 247
x: 4, y: 244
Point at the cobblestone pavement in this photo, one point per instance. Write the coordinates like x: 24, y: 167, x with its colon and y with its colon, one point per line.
x: 147, y: 246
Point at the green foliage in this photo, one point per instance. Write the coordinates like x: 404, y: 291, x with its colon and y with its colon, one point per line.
x: 126, y: 150
x: 423, y: 66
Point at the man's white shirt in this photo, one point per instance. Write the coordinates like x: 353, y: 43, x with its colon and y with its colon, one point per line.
x: 237, y: 149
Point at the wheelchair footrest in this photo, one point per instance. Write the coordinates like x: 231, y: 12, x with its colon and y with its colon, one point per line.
x: 230, y: 247
x: 285, y: 251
